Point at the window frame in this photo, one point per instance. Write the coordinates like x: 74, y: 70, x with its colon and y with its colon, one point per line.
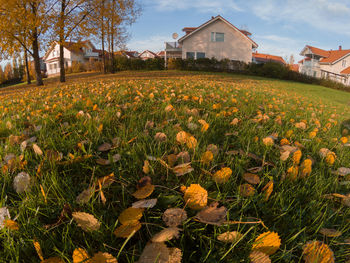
x: 214, y: 37
x: 190, y: 52
x: 200, y: 53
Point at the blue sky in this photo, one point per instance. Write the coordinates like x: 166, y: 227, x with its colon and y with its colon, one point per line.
x: 280, y: 27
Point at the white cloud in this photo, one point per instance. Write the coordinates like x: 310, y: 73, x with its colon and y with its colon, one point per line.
x: 330, y: 15
x: 202, y: 6
x: 153, y: 43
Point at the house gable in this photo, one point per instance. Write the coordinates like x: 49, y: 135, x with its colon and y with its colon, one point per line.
x: 193, y: 31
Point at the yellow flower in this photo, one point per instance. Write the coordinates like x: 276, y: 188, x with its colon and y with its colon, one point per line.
x: 196, y: 197
x: 343, y: 140
x: 312, y: 134
x: 284, y: 141
x: 268, y: 141
x: 222, y: 175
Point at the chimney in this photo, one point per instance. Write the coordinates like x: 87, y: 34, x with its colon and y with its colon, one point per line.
x: 212, y: 17
x: 340, y: 47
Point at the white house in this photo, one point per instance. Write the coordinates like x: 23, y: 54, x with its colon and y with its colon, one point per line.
x: 330, y: 64
x: 147, y: 55
x: 216, y: 38
x: 82, y: 52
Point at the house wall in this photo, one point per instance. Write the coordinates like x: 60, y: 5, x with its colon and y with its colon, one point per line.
x: 337, y: 68
x: 53, y: 66
x: 234, y: 47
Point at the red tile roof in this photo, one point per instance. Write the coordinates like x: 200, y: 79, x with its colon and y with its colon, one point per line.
x: 294, y: 67
x: 267, y: 57
x: 318, y: 51
x: 346, y: 71
x: 335, y: 55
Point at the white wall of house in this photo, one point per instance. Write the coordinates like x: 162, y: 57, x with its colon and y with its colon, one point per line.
x: 234, y: 47
x: 52, y: 60
x: 338, y: 66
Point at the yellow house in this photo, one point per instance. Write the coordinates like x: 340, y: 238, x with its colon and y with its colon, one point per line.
x: 217, y: 38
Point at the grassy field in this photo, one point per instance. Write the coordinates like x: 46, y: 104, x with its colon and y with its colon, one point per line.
x: 254, y: 158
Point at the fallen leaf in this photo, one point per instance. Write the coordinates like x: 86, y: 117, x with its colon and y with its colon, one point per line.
x: 155, y: 253
x: 317, y: 252
x: 37, y: 149
x: 104, y: 147
x: 80, y: 255
x: 144, y: 192
x: 182, y: 169
x: 251, y: 178
x: 246, y: 190
x: 173, y: 217
x: 330, y: 232
x: 259, y: 257
x: 230, y: 237
x: 146, y: 203
x: 212, y: 214
x: 166, y: 234
x: 86, y: 221
x: 103, y: 257
x: 130, y: 216
x: 125, y: 231
x: 268, y: 243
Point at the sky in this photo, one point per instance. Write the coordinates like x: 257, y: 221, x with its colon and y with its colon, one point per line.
x: 279, y: 27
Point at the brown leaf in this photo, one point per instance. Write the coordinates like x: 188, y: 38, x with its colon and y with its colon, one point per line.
x: 166, y: 234
x: 144, y: 192
x: 230, y: 237
x: 183, y: 157
x: 173, y: 217
x: 104, y: 147
x: 155, y: 253
x: 259, y: 257
x: 147, y: 203
x: 37, y: 149
x: 251, y: 178
x: 182, y: 169
x: 126, y: 230
x: 212, y: 214
x: 86, y: 221
x: 330, y: 232
x: 143, y: 182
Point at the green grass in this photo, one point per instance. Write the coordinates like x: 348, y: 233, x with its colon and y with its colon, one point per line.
x: 296, y: 210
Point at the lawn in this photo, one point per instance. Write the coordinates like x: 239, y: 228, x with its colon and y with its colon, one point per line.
x: 224, y: 168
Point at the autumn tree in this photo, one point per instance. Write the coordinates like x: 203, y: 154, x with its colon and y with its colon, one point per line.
x: 22, y: 24
x: 68, y: 18
x: 108, y: 21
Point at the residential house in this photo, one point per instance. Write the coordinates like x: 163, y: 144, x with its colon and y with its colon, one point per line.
x: 260, y: 58
x: 216, y: 38
x: 83, y: 51
x: 295, y: 67
x: 329, y: 64
x: 147, y: 55
x: 127, y: 54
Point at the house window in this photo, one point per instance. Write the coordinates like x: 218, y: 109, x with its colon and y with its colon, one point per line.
x: 55, y: 66
x: 66, y: 64
x: 200, y: 55
x: 190, y: 55
x: 217, y: 37
x: 315, y: 73
x: 344, y: 63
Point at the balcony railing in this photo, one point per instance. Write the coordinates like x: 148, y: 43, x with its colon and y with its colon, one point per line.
x: 172, y: 46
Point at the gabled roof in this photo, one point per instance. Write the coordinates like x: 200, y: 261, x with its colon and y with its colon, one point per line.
x: 214, y: 20
x: 161, y: 53
x: 335, y: 55
x: 75, y: 47
x: 155, y: 55
x: 267, y: 57
x: 294, y: 67
x: 346, y: 71
x: 316, y: 51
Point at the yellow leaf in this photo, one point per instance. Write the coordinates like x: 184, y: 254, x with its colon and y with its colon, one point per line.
x: 144, y: 192
x: 10, y: 224
x: 246, y: 190
x: 296, y: 157
x: 43, y: 193
x: 53, y: 260
x: 130, y: 215
x: 100, y: 128
x: 223, y: 175
x: 38, y: 249
x: 196, y: 197
x: 207, y: 157
x: 80, y: 255
x: 317, y: 252
x: 181, y: 137
x: 205, y: 125
x: 37, y: 149
x: 103, y: 257
x: 145, y: 167
x: 268, y: 243
x: 126, y: 230
x: 191, y: 142
x: 267, y: 190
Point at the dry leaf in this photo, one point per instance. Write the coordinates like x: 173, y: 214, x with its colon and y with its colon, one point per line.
x: 166, y: 234
x: 330, y: 232
x: 196, y: 197
x: 21, y: 182
x: 181, y: 137
x: 213, y: 148
x: 284, y: 155
x: 223, y: 175
x: 4, y: 214
x: 268, y: 243
x: 10, y: 224
x: 101, y: 161
x: 106, y: 180
x: 182, y: 169
x: 212, y: 214
x: 173, y: 217
x: 147, y: 203
x: 207, y: 157
x: 103, y: 257
x: 160, y: 137
x: 37, y: 149
x: 246, y: 190
x: 259, y: 257
x: 104, y: 147
x: 230, y: 237
x: 317, y: 252
x: 130, y: 215
x: 85, y: 196
x: 126, y: 230
x: 155, y: 253
x: 52, y: 260
x: 267, y: 190
x: 175, y: 255
x: 172, y: 159
x: 144, y: 192
x: 86, y: 221
x: 183, y: 157
x: 143, y: 182
x: 80, y: 255
x: 38, y: 249
x: 251, y: 178
x: 145, y: 167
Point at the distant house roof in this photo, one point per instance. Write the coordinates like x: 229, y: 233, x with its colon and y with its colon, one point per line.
x: 192, y: 30
x: 346, y: 71
x: 268, y: 58
x: 155, y: 55
x: 294, y: 67
x: 161, y: 53
x: 328, y: 56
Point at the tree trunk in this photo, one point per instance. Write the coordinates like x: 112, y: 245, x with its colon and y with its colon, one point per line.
x: 112, y: 36
x: 27, y: 67
x: 103, y: 38
x: 61, y: 35
x: 39, y: 79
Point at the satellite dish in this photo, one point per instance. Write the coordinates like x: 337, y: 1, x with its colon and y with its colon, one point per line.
x: 175, y: 35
